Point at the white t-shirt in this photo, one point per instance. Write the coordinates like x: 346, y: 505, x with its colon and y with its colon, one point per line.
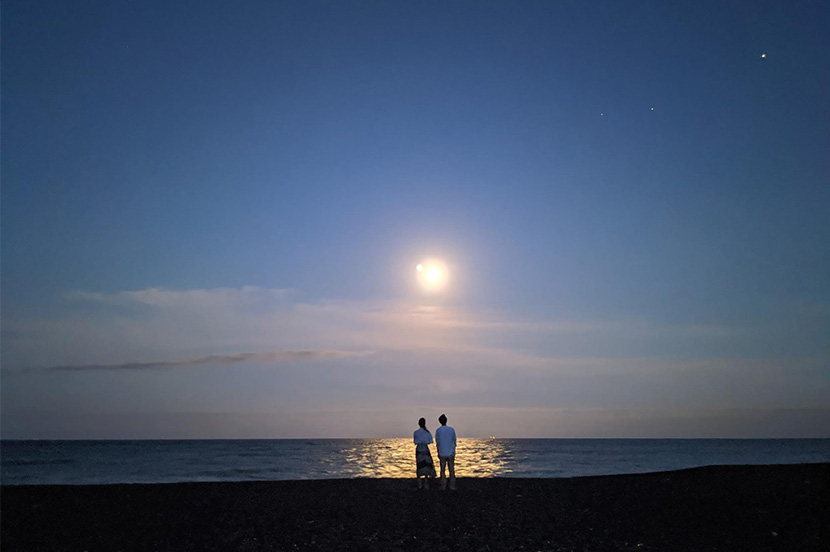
x: 445, y: 441
x: 422, y: 436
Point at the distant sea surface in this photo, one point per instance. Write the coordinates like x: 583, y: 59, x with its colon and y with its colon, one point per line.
x: 97, y: 462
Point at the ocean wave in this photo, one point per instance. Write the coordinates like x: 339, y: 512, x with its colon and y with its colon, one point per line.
x: 72, y: 462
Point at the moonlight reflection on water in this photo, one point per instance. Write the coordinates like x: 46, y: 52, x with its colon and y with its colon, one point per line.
x: 396, y: 458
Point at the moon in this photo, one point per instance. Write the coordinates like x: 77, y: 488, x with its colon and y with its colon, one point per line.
x: 432, y: 274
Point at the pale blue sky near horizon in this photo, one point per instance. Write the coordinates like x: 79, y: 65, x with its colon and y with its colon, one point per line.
x: 211, y: 215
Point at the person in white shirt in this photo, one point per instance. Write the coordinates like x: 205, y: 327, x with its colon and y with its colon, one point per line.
x: 445, y: 442
x: 425, y: 469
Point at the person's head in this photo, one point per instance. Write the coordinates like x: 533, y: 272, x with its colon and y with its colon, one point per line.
x: 442, y: 419
x: 423, y: 423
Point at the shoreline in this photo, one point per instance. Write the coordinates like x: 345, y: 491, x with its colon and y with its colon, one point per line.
x: 5, y: 486
x: 760, y: 507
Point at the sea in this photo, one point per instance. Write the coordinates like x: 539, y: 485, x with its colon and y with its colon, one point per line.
x: 104, y: 462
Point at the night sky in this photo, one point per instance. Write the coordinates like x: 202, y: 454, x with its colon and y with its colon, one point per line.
x: 212, y: 214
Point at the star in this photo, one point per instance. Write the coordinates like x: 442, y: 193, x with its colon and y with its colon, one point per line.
x: 763, y: 56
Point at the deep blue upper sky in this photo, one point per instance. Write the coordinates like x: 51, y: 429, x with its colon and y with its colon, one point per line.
x: 588, y: 162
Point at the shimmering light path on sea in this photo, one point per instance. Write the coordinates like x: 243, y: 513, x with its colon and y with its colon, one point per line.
x: 395, y: 458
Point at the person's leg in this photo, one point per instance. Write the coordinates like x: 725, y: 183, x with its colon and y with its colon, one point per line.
x: 451, y: 466
x: 443, y: 462
x: 420, y: 481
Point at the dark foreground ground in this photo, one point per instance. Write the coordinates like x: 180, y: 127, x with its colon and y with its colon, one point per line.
x: 713, y: 508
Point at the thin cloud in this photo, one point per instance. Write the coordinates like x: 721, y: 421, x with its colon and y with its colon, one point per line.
x: 267, y: 357
x: 173, y: 323
x: 182, y: 299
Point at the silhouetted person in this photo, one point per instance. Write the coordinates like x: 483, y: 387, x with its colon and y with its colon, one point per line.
x: 445, y: 441
x: 423, y: 459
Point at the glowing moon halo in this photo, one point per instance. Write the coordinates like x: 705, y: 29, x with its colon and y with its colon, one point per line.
x: 431, y: 274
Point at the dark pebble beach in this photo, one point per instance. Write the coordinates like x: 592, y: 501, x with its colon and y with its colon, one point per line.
x: 785, y: 507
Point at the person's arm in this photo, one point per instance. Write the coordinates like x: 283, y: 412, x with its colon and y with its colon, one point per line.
x: 453, y: 437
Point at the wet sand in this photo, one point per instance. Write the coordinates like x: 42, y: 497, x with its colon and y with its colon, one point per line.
x: 712, y: 508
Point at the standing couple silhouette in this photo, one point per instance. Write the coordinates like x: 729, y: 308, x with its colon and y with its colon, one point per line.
x: 445, y: 443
